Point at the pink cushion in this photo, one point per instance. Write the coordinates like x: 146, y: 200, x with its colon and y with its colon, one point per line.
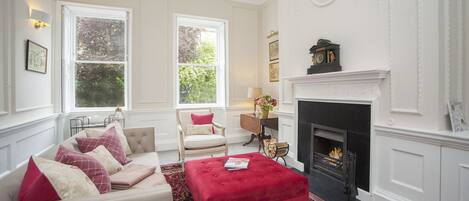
x: 109, y: 139
x: 36, y: 186
x: 202, y: 119
x: 90, y: 166
x: 264, y: 179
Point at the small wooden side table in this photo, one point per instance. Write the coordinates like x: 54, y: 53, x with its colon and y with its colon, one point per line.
x: 256, y: 124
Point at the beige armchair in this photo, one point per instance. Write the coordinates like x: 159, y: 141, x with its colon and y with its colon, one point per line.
x: 199, y: 144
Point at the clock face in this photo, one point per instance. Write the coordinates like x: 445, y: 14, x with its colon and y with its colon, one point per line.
x: 319, y: 58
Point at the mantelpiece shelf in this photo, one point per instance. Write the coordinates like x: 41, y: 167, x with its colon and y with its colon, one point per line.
x: 370, y: 75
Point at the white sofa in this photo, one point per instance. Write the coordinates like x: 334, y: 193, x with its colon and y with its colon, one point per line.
x: 142, y: 144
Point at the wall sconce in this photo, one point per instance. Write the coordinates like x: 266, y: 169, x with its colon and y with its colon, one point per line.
x: 40, y: 18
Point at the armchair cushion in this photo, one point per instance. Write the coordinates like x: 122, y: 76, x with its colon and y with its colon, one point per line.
x: 205, y: 129
x: 203, y: 141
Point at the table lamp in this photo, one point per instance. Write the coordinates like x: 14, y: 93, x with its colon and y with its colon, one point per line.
x: 253, y: 93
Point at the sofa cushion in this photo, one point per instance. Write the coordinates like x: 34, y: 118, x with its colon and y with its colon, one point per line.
x: 150, y: 159
x: 108, y: 140
x: 105, y: 158
x: 50, y: 180
x: 203, y: 141
x: 119, y: 132
x: 90, y: 166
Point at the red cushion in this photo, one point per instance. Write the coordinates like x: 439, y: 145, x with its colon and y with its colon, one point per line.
x: 202, y: 119
x: 109, y: 139
x: 90, y: 166
x: 264, y: 179
x: 35, y: 185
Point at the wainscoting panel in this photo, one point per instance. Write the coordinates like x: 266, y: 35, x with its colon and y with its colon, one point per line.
x: 407, y: 170
x: 454, y: 174
x: 4, y: 158
x: 18, y: 143
x: 287, y: 134
x: 405, y: 41
x: 164, y: 122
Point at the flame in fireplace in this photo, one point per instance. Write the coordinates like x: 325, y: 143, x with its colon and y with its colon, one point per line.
x: 336, y: 153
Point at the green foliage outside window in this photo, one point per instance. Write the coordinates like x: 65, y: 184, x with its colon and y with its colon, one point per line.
x: 197, y: 84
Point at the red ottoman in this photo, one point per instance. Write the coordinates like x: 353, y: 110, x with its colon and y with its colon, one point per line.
x: 264, y: 180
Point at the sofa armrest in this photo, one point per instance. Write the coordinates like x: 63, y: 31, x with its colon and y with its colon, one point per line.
x: 141, y: 140
x: 160, y: 193
x: 219, y: 128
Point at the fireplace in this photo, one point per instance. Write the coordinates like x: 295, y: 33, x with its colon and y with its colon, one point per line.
x: 327, y: 148
x: 327, y: 132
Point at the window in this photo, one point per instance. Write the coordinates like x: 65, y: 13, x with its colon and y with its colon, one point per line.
x: 200, y: 62
x: 96, y: 57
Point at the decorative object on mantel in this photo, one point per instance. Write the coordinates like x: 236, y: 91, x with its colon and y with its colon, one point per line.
x: 117, y: 116
x: 325, y: 57
x: 36, y: 57
x: 322, y: 3
x: 253, y: 94
x: 267, y: 104
x: 456, y: 115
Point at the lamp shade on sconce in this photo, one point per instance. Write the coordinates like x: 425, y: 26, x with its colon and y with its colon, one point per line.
x: 254, y: 92
x: 40, y: 18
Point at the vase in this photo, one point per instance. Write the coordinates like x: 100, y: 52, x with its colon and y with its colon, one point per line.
x: 265, y: 113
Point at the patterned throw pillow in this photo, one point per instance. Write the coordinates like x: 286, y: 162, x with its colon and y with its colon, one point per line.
x: 205, y: 129
x: 90, y: 166
x: 47, y: 180
x: 103, y: 156
x: 108, y: 140
x: 119, y: 132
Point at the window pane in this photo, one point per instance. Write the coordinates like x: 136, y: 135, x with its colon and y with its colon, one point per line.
x: 197, y: 85
x: 99, y: 85
x: 197, y: 45
x: 100, y: 39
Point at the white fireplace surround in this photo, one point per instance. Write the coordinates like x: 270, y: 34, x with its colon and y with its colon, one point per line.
x: 353, y: 87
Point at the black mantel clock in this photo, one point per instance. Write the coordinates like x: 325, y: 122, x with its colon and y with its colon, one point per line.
x: 325, y: 57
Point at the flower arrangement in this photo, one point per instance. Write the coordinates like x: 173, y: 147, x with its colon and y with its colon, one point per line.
x: 267, y: 103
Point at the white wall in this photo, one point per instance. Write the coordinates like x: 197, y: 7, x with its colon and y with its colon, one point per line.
x: 268, y: 21
x: 27, y: 122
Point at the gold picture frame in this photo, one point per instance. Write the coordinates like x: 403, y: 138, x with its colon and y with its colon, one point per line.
x: 274, y: 72
x: 273, y: 50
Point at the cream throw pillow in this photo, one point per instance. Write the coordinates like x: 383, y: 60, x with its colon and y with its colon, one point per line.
x: 68, y: 181
x: 119, y: 131
x: 205, y: 129
x: 103, y: 156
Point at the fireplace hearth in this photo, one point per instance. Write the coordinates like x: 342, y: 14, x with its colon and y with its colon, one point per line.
x: 334, y: 138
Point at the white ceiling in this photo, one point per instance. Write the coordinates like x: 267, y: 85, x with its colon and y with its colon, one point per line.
x: 255, y: 2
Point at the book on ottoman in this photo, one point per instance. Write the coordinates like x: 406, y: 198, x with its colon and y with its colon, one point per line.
x: 237, y: 164
x: 265, y: 179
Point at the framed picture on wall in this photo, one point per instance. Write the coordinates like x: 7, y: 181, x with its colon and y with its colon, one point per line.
x: 273, y: 72
x: 456, y: 115
x: 36, y: 57
x: 273, y: 51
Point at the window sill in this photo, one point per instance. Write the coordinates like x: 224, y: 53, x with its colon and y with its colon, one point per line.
x: 95, y: 109
x: 199, y: 106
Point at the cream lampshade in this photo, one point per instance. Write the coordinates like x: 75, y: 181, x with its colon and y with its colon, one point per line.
x: 253, y: 93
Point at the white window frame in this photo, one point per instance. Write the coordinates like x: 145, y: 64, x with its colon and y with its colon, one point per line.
x: 69, y: 13
x: 222, y: 56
